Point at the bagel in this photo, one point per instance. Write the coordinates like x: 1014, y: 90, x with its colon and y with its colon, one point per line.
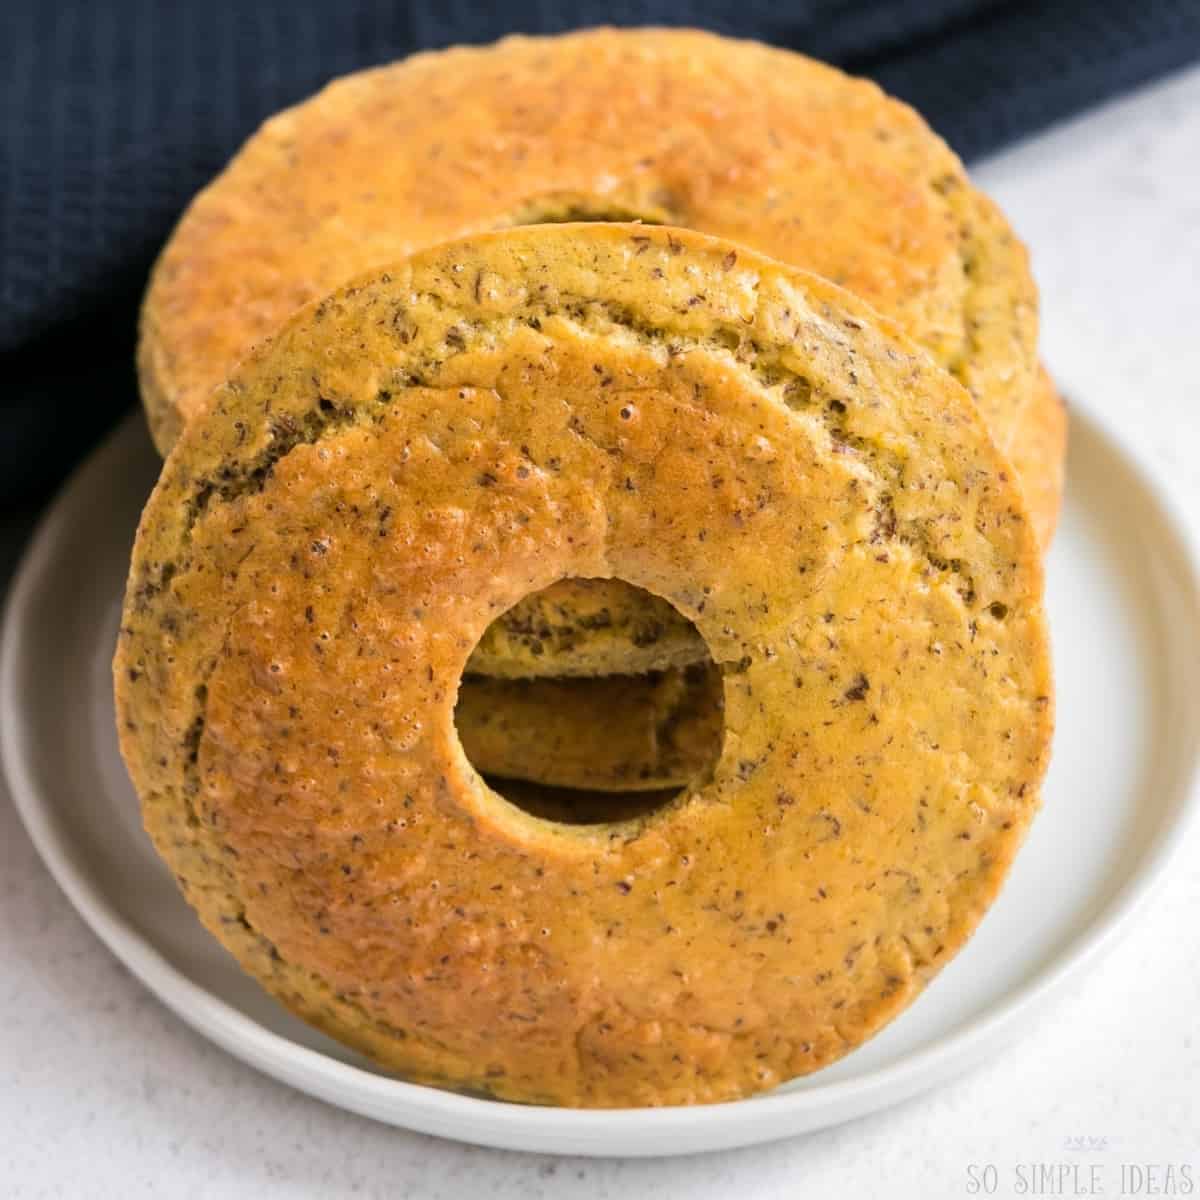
x: 777, y: 151
x: 424, y: 447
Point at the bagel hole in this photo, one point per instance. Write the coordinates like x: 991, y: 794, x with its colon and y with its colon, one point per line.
x: 561, y: 208
x: 626, y: 711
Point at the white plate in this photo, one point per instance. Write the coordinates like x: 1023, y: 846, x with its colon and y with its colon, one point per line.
x: 1125, y: 608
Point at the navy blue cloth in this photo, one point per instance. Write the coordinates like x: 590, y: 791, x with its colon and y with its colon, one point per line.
x: 115, y: 112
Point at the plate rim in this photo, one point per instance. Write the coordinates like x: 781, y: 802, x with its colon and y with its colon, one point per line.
x: 581, y: 1131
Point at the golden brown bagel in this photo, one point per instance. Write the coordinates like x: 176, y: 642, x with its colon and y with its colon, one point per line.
x: 426, y: 446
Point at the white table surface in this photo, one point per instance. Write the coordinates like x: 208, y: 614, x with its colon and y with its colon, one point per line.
x: 104, y: 1093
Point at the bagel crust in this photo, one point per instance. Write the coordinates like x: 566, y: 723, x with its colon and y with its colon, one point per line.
x: 732, y: 138
x: 427, y: 446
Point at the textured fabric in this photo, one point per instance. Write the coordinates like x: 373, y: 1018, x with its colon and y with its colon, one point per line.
x: 115, y: 112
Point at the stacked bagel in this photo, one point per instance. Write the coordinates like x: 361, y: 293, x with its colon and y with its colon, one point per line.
x: 586, y: 643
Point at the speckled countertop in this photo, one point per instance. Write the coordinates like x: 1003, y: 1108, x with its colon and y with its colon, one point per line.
x: 104, y: 1093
